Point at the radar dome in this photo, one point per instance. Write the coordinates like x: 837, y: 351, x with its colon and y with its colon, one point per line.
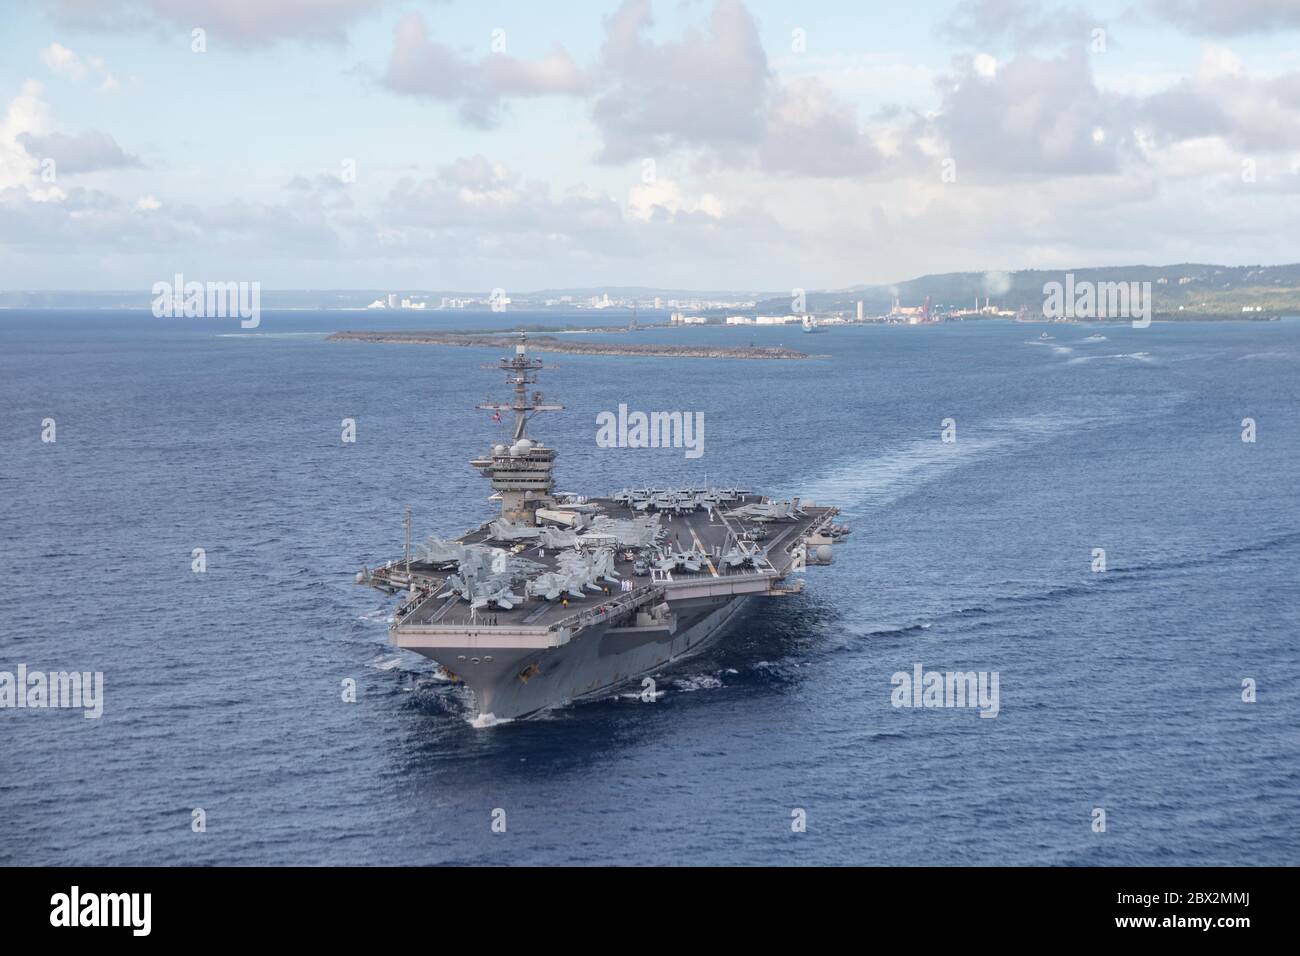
x: 824, y: 552
x: 499, y: 450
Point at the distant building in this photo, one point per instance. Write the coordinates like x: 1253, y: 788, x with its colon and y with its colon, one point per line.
x: 392, y: 300
x: 913, y: 315
x: 739, y: 320
x: 859, y: 310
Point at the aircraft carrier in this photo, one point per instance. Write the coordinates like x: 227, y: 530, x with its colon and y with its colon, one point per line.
x: 562, y: 597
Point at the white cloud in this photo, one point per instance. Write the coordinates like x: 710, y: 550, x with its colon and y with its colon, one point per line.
x: 1034, y: 116
x: 63, y: 61
x: 647, y: 200
x: 26, y: 115
x: 1250, y: 112
x: 809, y: 132
x: 86, y: 152
x: 1217, y: 61
x: 419, y: 66
x: 707, y: 89
x: 66, y: 63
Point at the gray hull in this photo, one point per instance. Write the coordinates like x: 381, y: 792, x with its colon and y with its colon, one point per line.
x: 510, y: 683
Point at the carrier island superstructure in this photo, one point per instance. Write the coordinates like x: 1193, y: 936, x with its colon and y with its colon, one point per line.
x: 562, y: 596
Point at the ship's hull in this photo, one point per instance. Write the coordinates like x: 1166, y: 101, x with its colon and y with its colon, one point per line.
x: 509, y: 683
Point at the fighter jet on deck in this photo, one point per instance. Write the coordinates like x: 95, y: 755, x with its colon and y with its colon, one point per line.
x: 769, y: 511
x: 503, y: 530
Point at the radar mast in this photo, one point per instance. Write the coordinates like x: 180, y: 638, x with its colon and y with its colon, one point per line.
x: 521, y: 472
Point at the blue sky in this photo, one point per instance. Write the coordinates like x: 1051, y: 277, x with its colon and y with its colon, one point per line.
x: 664, y: 144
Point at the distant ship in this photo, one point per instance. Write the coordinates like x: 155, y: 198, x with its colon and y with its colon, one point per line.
x: 562, y: 597
x: 810, y: 324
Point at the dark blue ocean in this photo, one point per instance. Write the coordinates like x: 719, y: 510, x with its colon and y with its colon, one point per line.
x: 1119, y: 690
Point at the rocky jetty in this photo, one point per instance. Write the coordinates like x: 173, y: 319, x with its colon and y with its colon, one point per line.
x: 549, y: 343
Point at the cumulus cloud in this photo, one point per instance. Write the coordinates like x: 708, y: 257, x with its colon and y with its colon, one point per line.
x: 63, y: 61
x: 245, y: 23
x: 1035, y: 116
x: 809, y: 132
x: 1251, y: 113
x: 79, y: 152
x: 66, y: 63
x: 419, y: 66
x: 665, y: 198
x: 1228, y: 17
x: 27, y: 115
x: 708, y: 88
x: 713, y: 91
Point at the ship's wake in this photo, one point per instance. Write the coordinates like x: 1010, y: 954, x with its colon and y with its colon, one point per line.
x: 1132, y: 356
x: 1135, y: 577
x: 880, y: 480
